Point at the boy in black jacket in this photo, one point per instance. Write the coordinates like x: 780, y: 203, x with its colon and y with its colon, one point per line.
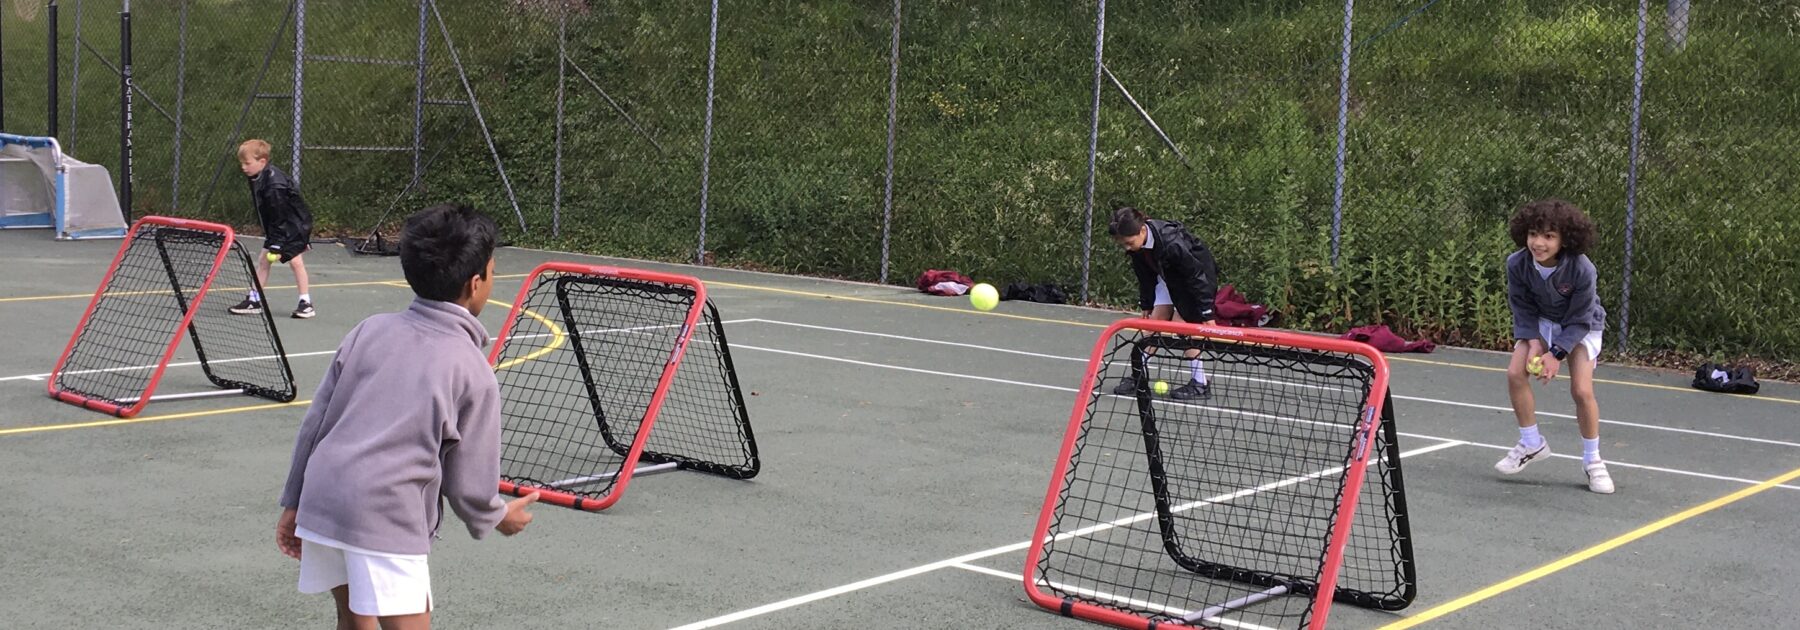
x: 1177, y: 280
x: 286, y: 223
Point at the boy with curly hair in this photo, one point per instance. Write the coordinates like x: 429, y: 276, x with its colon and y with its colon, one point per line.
x: 1557, y: 320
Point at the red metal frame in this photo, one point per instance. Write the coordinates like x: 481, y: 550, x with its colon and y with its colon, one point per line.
x: 571, y: 500
x: 175, y: 336
x: 1347, y: 498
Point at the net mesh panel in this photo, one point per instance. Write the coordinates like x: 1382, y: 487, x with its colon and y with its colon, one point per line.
x: 579, y: 368
x: 142, y: 305
x: 1169, y: 508
x: 240, y: 351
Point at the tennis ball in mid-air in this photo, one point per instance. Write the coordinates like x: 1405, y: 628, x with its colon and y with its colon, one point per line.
x: 984, y: 297
x: 274, y: 257
x: 1536, y: 366
x: 1160, y: 387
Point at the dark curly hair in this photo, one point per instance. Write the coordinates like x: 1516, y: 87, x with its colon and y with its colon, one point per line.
x: 1554, y: 215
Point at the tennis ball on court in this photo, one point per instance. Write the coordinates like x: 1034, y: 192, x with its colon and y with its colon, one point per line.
x: 1160, y: 387
x: 274, y: 257
x: 984, y: 297
x: 1536, y: 366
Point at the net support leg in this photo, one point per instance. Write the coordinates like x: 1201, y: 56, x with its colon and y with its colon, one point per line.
x: 578, y: 481
x: 211, y: 394
x: 1236, y: 604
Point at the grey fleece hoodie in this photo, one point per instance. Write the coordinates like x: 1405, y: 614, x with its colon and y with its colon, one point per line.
x: 1568, y: 298
x: 407, y: 418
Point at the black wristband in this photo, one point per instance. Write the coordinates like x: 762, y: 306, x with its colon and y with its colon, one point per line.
x: 1559, y: 352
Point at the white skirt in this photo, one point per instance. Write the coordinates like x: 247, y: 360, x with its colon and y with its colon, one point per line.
x: 381, y: 584
x: 1549, y: 330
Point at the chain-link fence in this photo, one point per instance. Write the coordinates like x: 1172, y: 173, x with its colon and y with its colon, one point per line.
x: 1348, y: 162
x: 1716, y: 239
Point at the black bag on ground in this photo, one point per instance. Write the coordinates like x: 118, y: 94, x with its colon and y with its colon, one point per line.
x: 1725, y: 379
x: 1045, y: 293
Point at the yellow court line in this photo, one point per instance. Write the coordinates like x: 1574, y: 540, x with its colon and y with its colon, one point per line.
x: 1048, y: 320
x: 90, y: 295
x: 1585, y: 554
x: 214, y: 412
x: 173, y: 416
x: 556, y: 333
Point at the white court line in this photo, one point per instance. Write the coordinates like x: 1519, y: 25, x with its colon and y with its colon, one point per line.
x: 1435, y: 401
x: 994, y: 572
x: 1655, y: 427
x: 129, y: 368
x: 918, y: 339
x: 735, y: 346
x: 1655, y: 468
x: 298, y: 355
x: 1173, y: 612
x: 966, y: 558
x: 1071, y: 390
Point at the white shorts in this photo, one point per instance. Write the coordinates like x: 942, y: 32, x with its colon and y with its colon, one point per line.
x: 1162, y: 294
x: 381, y: 584
x: 1549, y: 330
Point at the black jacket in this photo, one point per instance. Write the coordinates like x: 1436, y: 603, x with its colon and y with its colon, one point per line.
x: 286, y: 222
x: 1185, y: 265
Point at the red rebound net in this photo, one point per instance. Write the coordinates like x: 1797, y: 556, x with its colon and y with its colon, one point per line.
x: 1256, y: 505
x: 161, y: 283
x: 607, y: 373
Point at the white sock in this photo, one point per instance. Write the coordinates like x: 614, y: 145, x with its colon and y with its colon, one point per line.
x: 1530, y: 437
x: 1199, y: 372
x: 255, y: 297
x: 306, y: 297
x: 1590, y: 450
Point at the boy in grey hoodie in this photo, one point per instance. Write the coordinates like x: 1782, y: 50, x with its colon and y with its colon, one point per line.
x: 1552, y: 290
x: 406, y: 420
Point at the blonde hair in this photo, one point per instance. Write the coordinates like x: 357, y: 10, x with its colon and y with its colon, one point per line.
x: 253, y: 149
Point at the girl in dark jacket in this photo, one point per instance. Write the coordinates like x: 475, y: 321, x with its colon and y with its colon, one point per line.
x: 1177, y: 281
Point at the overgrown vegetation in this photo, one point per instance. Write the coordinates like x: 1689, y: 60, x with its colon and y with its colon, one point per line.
x: 1458, y: 113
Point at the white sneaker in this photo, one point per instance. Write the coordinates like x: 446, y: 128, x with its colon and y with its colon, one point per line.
x: 1598, y: 479
x: 1519, y: 456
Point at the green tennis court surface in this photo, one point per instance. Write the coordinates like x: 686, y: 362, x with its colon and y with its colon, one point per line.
x: 906, y: 443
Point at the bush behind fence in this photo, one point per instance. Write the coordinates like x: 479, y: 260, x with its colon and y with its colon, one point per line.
x: 1222, y: 115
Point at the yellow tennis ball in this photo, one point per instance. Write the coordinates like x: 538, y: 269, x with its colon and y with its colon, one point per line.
x: 1160, y: 387
x: 984, y: 297
x: 274, y: 257
x: 1536, y: 366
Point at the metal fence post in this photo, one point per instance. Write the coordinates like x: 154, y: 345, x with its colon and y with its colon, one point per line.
x: 1343, y: 129
x: 125, y: 108
x: 299, y: 85
x: 712, y: 62
x: 51, y: 49
x: 180, y: 103
x: 68, y: 144
x: 887, y: 203
x: 418, y: 145
x: 1631, y: 177
x: 1087, y: 239
x: 562, y: 58
x: 2, y: 70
